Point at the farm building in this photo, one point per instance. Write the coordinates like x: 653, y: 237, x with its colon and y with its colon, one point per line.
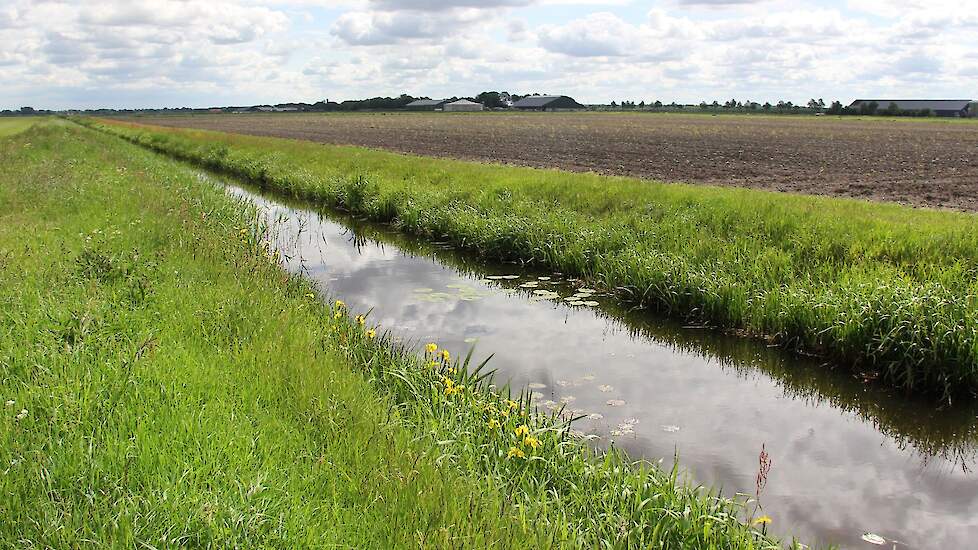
x: 940, y: 107
x: 426, y: 105
x: 547, y: 103
x: 463, y: 106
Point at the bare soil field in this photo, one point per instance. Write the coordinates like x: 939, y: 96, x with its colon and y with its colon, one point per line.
x: 923, y: 163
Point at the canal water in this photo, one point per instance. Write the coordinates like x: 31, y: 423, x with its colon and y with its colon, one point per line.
x: 849, y: 461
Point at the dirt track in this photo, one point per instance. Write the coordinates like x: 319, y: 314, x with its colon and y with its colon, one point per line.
x: 924, y: 163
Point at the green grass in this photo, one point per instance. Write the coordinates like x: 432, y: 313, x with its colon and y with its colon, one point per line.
x: 10, y: 126
x: 880, y: 287
x: 168, y: 384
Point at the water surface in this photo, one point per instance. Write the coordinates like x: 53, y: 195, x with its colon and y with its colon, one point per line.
x: 848, y: 458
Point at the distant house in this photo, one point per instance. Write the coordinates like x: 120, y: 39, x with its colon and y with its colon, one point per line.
x: 547, y: 103
x: 426, y: 104
x: 463, y: 106
x: 940, y: 107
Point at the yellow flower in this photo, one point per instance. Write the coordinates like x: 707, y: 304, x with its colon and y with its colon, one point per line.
x: 337, y: 315
x: 310, y: 295
x: 493, y: 424
x: 513, y: 405
x: 513, y: 451
x: 531, y: 442
x: 431, y: 348
x: 371, y: 334
x: 490, y: 408
x: 504, y: 413
x: 763, y: 520
x: 361, y: 320
x: 340, y: 303
x: 433, y: 364
x: 445, y: 356
x: 522, y: 431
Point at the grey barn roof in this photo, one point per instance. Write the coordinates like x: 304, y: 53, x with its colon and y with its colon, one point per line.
x: 536, y: 100
x: 918, y: 104
x: 425, y: 103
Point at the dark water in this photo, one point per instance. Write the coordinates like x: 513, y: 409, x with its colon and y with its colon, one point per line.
x: 847, y: 458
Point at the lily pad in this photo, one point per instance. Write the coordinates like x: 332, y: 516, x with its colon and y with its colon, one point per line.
x: 423, y: 290
x: 536, y: 386
x: 615, y: 402
x: 595, y: 416
x: 543, y: 278
x: 670, y: 428
x: 605, y: 388
x: 590, y: 303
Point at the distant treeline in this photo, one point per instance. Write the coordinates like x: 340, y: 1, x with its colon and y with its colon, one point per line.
x: 501, y: 100
x: 814, y: 106
x: 492, y: 100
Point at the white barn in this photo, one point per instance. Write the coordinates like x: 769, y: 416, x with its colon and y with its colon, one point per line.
x: 463, y: 106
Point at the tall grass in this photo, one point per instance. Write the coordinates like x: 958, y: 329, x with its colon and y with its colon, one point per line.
x: 889, y: 290
x: 169, y: 385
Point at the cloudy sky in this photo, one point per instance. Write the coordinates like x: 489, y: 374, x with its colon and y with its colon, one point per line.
x: 154, y: 53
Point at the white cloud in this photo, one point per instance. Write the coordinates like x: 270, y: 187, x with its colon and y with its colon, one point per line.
x: 177, y: 52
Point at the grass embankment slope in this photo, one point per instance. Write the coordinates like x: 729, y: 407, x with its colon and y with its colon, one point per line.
x: 890, y: 290
x: 165, y: 383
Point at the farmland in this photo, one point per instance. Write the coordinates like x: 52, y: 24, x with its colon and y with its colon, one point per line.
x: 923, y: 163
x: 882, y: 288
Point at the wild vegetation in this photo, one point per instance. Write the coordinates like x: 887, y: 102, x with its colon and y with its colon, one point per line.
x: 887, y: 289
x: 165, y: 383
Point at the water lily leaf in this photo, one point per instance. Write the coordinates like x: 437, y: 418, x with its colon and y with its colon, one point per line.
x: 536, y: 395
x: 470, y: 340
x: 590, y: 303
x: 423, y: 290
x: 536, y: 386
x: 595, y: 416
x: 510, y: 277
x: 605, y: 388
x: 615, y: 402
x: 670, y: 428
x: 543, y: 278
x: 588, y: 377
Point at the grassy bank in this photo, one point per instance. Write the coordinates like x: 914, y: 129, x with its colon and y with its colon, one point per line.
x: 165, y: 383
x: 887, y: 289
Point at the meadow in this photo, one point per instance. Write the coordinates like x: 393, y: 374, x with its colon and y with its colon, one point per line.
x: 11, y: 126
x: 886, y: 290
x: 165, y: 383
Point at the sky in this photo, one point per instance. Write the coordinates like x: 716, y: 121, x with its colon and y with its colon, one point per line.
x: 171, y: 53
